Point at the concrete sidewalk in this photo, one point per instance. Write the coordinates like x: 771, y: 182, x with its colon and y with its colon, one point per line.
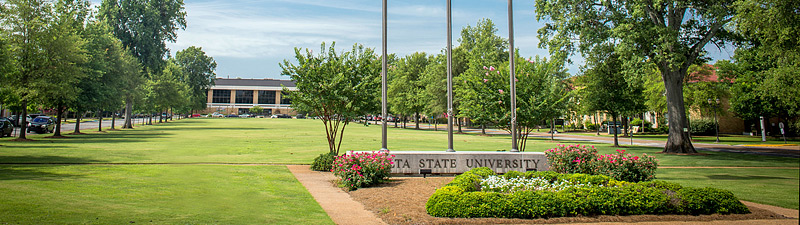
x: 340, y: 207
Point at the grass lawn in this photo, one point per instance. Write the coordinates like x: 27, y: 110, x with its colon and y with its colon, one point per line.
x: 777, y: 187
x: 160, y: 194
x: 93, y: 191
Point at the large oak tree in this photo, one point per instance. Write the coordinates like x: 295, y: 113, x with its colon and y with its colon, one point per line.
x: 670, y: 34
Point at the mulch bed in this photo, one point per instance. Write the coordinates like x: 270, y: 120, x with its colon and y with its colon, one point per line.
x: 402, y: 201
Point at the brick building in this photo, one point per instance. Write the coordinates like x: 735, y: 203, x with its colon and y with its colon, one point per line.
x: 238, y: 96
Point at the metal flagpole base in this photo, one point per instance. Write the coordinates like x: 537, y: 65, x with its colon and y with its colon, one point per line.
x: 450, y: 150
x: 514, y: 150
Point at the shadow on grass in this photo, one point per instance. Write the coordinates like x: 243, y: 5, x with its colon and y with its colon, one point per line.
x: 45, y: 160
x: 746, y: 177
x: 32, y: 173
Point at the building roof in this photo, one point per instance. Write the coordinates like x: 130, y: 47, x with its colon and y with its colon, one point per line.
x: 253, y: 82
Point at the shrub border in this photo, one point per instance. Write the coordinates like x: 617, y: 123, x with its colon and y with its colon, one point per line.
x: 462, y: 198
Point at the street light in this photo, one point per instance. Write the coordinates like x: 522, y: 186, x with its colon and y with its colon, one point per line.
x: 714, y: 104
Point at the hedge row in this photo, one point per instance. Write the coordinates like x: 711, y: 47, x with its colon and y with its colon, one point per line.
x: 462, y: 198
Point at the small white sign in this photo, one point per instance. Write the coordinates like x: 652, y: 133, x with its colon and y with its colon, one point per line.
x: 780, y: 125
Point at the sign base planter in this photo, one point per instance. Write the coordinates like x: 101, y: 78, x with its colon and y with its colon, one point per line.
x: 432, y: 162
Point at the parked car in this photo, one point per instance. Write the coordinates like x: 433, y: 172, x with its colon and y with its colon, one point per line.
x: 195, y: 115
x: 16, y: 123
x: 232, y: 115
x: 216, y: 114
x: 42, y: 124
x: 6, y: 128
x: 281, y: 116
x: 300, y: 116
x: 246, y: 115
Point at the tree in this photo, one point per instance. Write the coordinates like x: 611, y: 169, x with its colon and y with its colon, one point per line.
x: 483, y: 47
x: 606, y: 89
x: 144, y: 27
x: 541, y: 94
x: 45, y: 48
x: 406, y: 90
x: 165, y: 90
x: 766, y: 68
x: 198, y: 74
x: 257, y: 110
x: 337, y: 87
x: 669, y: 34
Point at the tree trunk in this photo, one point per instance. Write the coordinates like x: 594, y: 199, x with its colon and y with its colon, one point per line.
x: 459, y: 125
x: 625, y: 126
x: 23, y: 125
x: 552, y: 129
x: 128, y: 114
x: 678, y: 141
x: 597, y: 122
x: 483, y: 129
x: 113, y: 119
x: 416, y: 120
x: 60, y: 112
x: 100, y: 121
x: 78, y: 123
x: 613, y: 128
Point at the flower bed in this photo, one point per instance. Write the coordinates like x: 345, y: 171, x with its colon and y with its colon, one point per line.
x: 362, y: 169
x: 476, y: 193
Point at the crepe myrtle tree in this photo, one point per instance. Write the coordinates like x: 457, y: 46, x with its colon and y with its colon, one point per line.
x: 338, y: 87
x: 670, y: 34
x: 541, y: 94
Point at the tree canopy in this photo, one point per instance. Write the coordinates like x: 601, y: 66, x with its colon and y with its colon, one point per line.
x: 336, y: 86
x: 671, y: 35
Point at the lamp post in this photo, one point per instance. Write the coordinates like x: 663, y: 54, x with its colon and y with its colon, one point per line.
x: 714, y: 104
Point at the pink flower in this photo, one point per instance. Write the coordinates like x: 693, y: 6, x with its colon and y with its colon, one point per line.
x: 487, y: 74
x: 498, y: 72
x: 485, y: 80
x: 500, y: 90
x: 491, y: 68
x: 484, y: 67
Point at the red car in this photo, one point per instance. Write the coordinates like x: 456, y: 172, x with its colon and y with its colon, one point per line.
x: 195, y: 115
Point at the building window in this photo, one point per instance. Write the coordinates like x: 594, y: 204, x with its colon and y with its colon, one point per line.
x: 285, y: 100
x: 266, y: 97
x: 244, y: 97
x: 221, y: 96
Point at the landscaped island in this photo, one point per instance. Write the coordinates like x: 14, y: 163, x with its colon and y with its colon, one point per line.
x: 482, y: 193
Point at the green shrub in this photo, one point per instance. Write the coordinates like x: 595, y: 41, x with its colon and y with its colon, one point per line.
x: 702, y: 127
x: 627, y: 167
x: 592, y: 126
x: 323, y: 162
x: 638, y: 122
x: 572, y: 159
x: 460, y: 198
x: 697, y: 201
x: 620, y: 166
x: 362, y: 169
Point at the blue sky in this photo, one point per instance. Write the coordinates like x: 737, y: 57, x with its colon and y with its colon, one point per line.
x: 249, y: 38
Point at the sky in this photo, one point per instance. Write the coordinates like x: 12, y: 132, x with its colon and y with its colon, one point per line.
x: 250, y: 38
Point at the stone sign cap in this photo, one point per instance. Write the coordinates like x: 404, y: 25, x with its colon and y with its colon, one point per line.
x: 439, y: 162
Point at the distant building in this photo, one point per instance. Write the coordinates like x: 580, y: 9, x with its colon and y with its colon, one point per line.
x: 240, y: 95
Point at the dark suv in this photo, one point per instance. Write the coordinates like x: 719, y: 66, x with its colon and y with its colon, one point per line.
x: 6, y: 128
x: 42, y: 124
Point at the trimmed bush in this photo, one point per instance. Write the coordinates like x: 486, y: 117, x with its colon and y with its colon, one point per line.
x: 362, y: 169
x: 599, y: 195
x: 572, y: 159
x: 703, y: 127
x: 323, y: 162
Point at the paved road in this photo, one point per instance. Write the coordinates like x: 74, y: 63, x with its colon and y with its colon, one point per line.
x: 785, y: 151
x: 89, y: 125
